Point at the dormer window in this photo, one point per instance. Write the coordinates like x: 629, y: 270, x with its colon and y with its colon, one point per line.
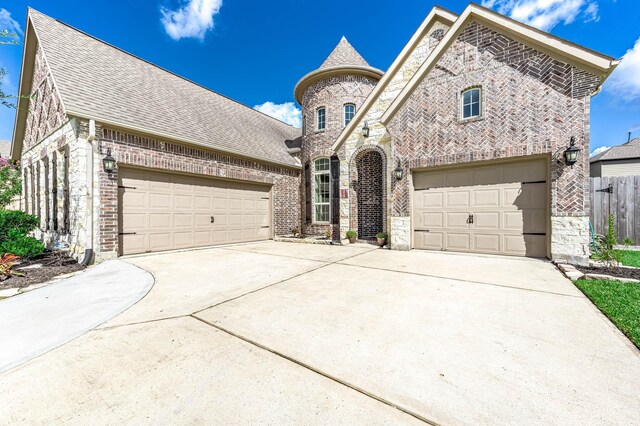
x: 321, y: 118
x: 349, y: 112
x: 471, y: 103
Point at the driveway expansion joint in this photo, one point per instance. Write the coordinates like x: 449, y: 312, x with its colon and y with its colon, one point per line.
x: 319, y: 372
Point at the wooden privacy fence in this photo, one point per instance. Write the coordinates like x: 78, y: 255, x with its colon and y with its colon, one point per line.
x: 619, y: 196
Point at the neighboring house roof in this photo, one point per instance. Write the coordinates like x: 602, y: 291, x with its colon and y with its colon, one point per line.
x: 98, y: 81
x: 5, y: 149
x: 437, y: 13
x: 573, y: 54
x: 344, y: 59
x: 626, y: 151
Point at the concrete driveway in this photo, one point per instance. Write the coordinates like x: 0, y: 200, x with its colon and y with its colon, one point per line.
x: 279, y: 333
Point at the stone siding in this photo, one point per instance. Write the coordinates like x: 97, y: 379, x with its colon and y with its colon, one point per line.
x: 378, y: 135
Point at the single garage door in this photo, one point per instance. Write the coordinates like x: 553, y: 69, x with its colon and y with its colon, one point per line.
x: 163, y: 211
x: 500, y: 209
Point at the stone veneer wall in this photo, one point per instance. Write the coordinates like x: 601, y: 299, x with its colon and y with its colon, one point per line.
x: 136, y: 150
x: 332, y: 93
x: 378, y: 136
x: 532, y: 105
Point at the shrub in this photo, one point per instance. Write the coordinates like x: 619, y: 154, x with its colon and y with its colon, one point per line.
x: 7, y: 261
x: 381, y: 235
x: 21, y: 245
x: 352, y: 234
x: 328, y: 233
x: 10, y: 181
x: 16, y: 220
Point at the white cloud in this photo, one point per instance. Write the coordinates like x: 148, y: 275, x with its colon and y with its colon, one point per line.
x: 8, y: 23
x: 546, y: 14
x: 192, y: 20
x: 625, y: 80
x: 599, y: 150
x: 287, y: 112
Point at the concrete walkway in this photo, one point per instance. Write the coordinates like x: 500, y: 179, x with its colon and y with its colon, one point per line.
x: 282, y: 333
x: 35, y: 322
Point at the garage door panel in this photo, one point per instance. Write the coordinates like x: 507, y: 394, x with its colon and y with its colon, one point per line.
x: 486, y: 243
x: 455, y: 241
x: 458, y: 199
x: 486, y: 197
x: 486, y: 220
x: 168, y: 211
x: 456, y: 220
x: 160, y: 220
x: 508, y: 201
x: 429, y: 240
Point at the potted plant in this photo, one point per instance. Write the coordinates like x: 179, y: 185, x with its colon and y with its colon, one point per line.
x: 352, y: 235
x: 381, y: 237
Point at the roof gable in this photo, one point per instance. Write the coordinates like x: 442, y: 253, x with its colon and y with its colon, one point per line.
x: 116, y: 88
x: 436, y: 14
x: 585, y: 59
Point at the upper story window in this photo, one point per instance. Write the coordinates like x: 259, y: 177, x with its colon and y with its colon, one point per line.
x: 471, y: 103
x: 321, y: 190
x: 349, y: 112
x: 322, y: 118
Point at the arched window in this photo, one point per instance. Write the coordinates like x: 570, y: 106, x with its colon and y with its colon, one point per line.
x: 471, y: 103
x: 321, y: 118
x: 349, y: 112
x: 321, y: 190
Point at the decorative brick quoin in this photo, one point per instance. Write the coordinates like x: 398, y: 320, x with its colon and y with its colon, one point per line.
x: 457, y: 146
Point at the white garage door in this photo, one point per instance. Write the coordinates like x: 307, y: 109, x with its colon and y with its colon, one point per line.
x: 163, y: 211
x: 500, y: 209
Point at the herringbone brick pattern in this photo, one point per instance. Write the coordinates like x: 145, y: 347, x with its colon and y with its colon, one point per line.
x: 45, y: 109
x: 367, y: 193
x: 532, y: 104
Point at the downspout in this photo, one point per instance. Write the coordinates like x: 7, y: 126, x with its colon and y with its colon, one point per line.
x: 88, y: 252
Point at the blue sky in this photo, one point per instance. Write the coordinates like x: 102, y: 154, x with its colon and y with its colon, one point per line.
x: 256, y: 51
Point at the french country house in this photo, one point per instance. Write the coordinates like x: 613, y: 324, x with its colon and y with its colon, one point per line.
x: 466, y: 143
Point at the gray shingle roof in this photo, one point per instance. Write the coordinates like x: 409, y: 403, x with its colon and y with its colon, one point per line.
x: 99, y: 81
x: 5, y: 148
x: 344, y: 54
x: 628, y: 150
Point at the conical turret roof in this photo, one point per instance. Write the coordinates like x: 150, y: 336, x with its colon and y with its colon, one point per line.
x: 344, y: 59
x: 344, y: 54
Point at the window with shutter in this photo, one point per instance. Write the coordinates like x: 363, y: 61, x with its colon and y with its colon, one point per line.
x: 335, y: 189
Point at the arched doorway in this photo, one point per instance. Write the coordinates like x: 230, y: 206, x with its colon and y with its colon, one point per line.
x: 370, y: 193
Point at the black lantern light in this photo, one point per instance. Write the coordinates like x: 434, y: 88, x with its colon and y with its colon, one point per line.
x: 109, y: 162
x: 365, y: 130
x: 398, y: 171
x: 571, y: 153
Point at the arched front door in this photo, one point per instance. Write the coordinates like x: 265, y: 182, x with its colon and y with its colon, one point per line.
x: 370, y: 192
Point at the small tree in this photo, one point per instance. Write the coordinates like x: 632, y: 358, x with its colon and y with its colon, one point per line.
x: 608, y: 254
x: 6, y: 37
x: 10, y: 181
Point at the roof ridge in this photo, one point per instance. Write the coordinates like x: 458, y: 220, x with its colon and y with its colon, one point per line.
x: 30, y: 9
x: 344, y: 54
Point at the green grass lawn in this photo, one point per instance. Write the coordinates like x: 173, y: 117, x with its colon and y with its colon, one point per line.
x: 630, y: 258
x: 619, y: 301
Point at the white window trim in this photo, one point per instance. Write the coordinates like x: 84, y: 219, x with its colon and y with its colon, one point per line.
x: 480, y: 104
x: 344, y: 112
x: 315, y: 220
x: 318, y: 129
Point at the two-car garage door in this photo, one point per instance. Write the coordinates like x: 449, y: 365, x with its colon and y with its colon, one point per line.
x: 163, y: 211
x: 500, y: 209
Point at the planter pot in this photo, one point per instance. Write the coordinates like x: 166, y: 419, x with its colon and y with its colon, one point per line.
x: 352, y: 240
x: 381, y: 241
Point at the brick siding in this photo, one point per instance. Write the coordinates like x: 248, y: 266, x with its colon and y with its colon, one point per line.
x: 135, y: 150
x: 369, y: 189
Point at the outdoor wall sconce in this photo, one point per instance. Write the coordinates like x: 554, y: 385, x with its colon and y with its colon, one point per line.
x: 365, y: 130
x: 571, y: 153
x: 398, y: 171
x: 109, y: 162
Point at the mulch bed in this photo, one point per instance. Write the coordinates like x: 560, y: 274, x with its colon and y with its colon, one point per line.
x: 610, y: 270
x: 54, y: 263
